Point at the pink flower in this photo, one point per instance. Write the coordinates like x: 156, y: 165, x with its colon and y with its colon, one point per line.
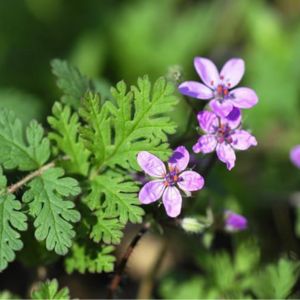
x: 223, y: 136
x: 295, y: 156
x: 235, y: 222
x: 166, y: 182
x: 217, y: 87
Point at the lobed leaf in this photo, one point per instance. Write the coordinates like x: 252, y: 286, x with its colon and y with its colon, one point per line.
x: 84, y: 259
x: 49, y: 290
x: 136, y: 122
x: 116, y: 195
x: 73, y: 84
x: 54, y: 216
x: 66, y: 125
x: 14, y: 152
x: 12, y: 220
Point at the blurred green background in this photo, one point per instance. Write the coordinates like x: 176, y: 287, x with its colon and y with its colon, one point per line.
x: 115, y: 40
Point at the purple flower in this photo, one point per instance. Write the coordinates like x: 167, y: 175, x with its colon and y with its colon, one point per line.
x: 166, y: 182
x: 223, y: 136
x: 217, y: 87
x: 295, y: 156
x: 234, y: 222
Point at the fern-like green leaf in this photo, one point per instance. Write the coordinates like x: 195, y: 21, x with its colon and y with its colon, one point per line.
x: 12, y: 220
x: 14, y: 152
x: 84, y: 259
x: 97, y: 134
x: 116, y: 195
x: 107, y: 229
x: 65, y: 126
x: 277, y: 280
x: 53, y: 214
x: 136, y: 122
x: 73, y: 84
x: 49, y: 290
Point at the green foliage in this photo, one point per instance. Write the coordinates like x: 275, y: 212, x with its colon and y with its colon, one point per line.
x: 4, y: 295
x: 83, y: 258
x: 277, y: 280
x: 73, y: 84
x: 14, y: 152
x: 12, y: 220
x: 236, y: 277
x: 137, y: 122
x: 116, y: 196
x: 107, y: 229
x: 53, y: 215
x: 49, y: 290
x: 65, y: 125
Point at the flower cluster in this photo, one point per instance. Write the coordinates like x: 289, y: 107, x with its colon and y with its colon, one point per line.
x: 222, y: 125
x: 223, y: 134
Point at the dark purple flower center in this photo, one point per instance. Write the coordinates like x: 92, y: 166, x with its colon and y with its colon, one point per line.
x: 172, y: 178
x: 223, y: 134
x: 222, y: 92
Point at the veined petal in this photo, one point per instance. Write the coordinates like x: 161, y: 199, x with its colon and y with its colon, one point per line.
x: 232, y: 72
x: 191, y: 181
x: 151, y: 191
x: 151, y: 164
x: 242, y: 140
x: 179, y: 159
x: 243, y: 97
x: 205, y: 144
x: 195, y: 89
x: 234, y: 118
x: 226, y: 154
x: 295, y: 156
x: 172, y: 201
x: 208, y: 121
x: 222, y: 109
x: 207, y: 71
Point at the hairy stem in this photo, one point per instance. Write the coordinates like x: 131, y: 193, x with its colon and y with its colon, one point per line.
x: 16, y: 186
x: 115, y: 282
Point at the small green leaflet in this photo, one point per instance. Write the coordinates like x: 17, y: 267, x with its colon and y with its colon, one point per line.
x: 93, y: 260
x: 49, y: 290
x: 73, y: 84
x: 65, y: 126
x: 107, y: 229
x: 137, y: 122
x: 12, y: 220
x: 119, y: 197
x: 14, y: 151
x: 53, y: 215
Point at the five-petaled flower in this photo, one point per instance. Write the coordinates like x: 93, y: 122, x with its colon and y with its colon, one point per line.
x: 234, y: 222
x: 295, y: 156
x: 166, y: 182
x: 217, y: 87
x: 223, y: 136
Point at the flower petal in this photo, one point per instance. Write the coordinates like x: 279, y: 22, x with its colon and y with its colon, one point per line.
x: 234, y: 118
x: 151, y: 191
x: 151, y: 164
x: 235, y: 222
x: 172, y: 201
x: 243, y: 97
x: 295, y: 156
x: 232, y: 72
x: 242, y: 140
x: 226, y: 154
x: 207, y: 71
x: 195, y: 89
x: 179, y: 159
x: 205, y: 144
x: 208, y: 121
x: 222, y: 109
x: 191, y: 181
